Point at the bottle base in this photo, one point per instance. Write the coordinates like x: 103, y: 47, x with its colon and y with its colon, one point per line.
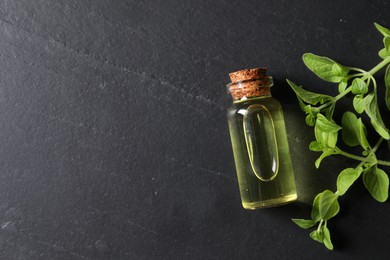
x: 270, y: 203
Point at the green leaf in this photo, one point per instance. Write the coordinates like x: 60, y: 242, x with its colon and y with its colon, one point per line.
x: 315, y: 211
x: 310, y: 120
x: 359, y: 86
x: 328, y: 139
x: 305, y: 108
x: 346, y: 178
x: 383, y: 53
x: 308, y: 96
x: 362, y: 135
x: 377, y: 183
x: 386, y: 43
x: 325, y: 68
x: 353, y: 132
x: 304, y: 223
x: 372, y: 110
x: 326, y: 238
x: 325, y: 131
x: 325, y: 154
x: 342, y: 86
x: 350, y: 131
x: 387, y: 84
x: 383, y: 30
x: 325, y: 125
x: 317, y: 236
x: 323, y: 236
x: 358, y: 103
x: 328, y: 205
x: 316, y: 146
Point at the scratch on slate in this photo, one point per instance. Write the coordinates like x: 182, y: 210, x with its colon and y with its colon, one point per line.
x: 149, y: 230
x: 60, y: 120
x: 67, y: 77
x: 54, y: 246
x: 142, y: 31
x: 122, y: 68
x: 142, y: 227
x: 190, y: 165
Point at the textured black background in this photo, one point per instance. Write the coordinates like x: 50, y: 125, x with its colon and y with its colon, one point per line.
x: 113, y: 135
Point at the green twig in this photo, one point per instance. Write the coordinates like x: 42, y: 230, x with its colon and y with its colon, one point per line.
x: 349, y: 155
x: 379, y: 66
x: 378, y: 143
x: 385, y: 163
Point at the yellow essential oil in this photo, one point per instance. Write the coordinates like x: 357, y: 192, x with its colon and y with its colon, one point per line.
x: 259, y: 141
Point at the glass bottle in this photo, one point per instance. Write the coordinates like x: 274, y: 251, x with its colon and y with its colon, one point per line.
x: 259, y: 141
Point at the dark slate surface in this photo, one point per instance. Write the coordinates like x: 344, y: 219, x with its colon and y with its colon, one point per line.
x: 113, y: 135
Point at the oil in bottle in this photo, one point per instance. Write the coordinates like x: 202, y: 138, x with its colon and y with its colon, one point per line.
x: 259, y: 141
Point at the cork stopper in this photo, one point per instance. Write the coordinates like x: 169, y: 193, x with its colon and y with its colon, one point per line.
x: 247, y: 74
x: 249, y: 83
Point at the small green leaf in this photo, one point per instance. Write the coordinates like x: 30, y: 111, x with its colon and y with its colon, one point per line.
x: 315, y: 211
x: 386, y: 43
x: 383, y: 53
x: 304, y: 223
x: 325, y: 125
x: 372, y: 110
x: 328, y: 205
x: 387, y: 84
x: 323, y: 236
x: 316, y: 146
x: 325, y: 68
x: 337, y: 69
x: 346, y: 178
x: 305, y: 108
x: 359, y: 86
x: 310, y: 120
x: 326, y: 238
x: 325, y: 131
x: 342, y: 86
x: 358, y: 103
x: 377, y: 183
x: 325, y: 154
x: 328, y: 139
x: 308, y: 96
x: 317, y: 236
x: 350, y: 129
x: 362, y: 135
x: 353, y: 132
x: 383, y: 30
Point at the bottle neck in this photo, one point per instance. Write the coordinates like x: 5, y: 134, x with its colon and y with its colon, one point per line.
x: 252, y: 98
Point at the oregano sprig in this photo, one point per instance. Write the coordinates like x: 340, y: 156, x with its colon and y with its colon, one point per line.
x: 319, y: 109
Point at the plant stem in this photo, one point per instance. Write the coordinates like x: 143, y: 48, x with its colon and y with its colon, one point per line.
x: 381, y: 162
x: 362, y: 72
x: 319, y: 226
x: 342, y: 94
x: 379, y: 66
x: 385, y: 163
x: 361, y: 158
x: 366, y: 75
x: 336, y: 98
x: 349, y: 155
x: 378, y: 143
